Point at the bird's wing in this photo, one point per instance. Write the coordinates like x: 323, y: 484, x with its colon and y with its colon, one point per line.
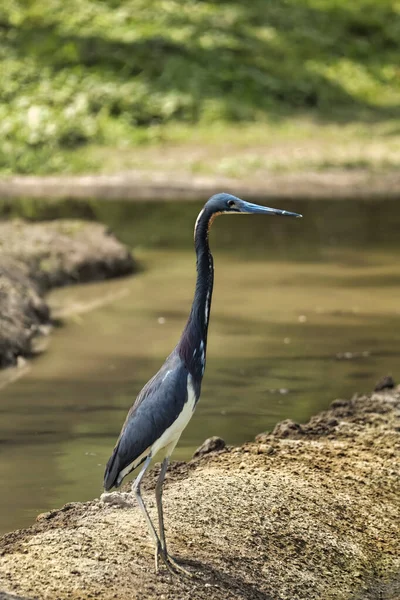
x: 156, y: 408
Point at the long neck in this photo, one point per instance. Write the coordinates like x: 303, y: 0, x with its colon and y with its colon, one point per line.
x: 193, y: 344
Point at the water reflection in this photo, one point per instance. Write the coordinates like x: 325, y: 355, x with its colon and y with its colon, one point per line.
x: 303, y: 312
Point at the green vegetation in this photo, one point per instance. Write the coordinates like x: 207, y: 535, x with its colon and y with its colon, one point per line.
x: 113, y: 74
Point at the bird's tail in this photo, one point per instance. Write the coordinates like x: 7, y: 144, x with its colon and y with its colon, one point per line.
x: 112, y: 471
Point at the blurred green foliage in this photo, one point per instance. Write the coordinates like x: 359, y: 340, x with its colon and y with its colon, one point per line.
x: 114, y: 72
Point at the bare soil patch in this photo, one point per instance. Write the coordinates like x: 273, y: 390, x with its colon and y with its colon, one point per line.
x: 306, y: 512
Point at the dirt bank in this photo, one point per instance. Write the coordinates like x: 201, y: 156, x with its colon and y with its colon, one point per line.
x: 307, y: 512
x: 36, y: 257
x: 340, y: 184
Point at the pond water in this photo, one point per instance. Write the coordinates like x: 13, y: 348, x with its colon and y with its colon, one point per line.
x: 304, y: 311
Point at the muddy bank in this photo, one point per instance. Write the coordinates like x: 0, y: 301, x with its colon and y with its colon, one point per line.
x: 339, y: 184
x: 307, y: 512
x: 36, y: 257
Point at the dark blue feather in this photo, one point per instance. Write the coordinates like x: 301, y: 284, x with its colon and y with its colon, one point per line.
x: 156, y: 408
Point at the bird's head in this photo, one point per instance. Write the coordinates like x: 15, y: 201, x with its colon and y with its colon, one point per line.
x: 226, y: 203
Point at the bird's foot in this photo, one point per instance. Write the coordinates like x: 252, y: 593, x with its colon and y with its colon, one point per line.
x: 160, y: 552
x: 178, y: 567
x: 172, y: 565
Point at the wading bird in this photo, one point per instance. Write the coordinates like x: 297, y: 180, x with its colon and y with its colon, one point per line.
x: 166, y: 403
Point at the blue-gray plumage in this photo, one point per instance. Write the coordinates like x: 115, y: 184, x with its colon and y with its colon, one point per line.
x: 156, y: 409
x: 166, y: 403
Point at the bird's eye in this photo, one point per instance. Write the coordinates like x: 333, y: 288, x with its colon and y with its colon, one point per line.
x: 231, y: 203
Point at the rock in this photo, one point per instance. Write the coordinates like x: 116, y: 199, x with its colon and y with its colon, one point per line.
x: 35, y: 257
x: 119, y: 499
x: 386, y: 383
x: 339, y: 403
x: 265, y: 449
x: 212, y: 444
x: 287, y: 428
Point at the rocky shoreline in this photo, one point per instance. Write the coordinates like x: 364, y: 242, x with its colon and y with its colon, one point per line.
x: 35, y: 257
x: 305, y: 512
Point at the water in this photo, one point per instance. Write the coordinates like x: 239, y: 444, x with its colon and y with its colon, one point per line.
x: 304, y: 311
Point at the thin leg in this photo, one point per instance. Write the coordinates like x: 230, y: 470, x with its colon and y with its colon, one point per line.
x: 159, y: 491
x: 153, y: 533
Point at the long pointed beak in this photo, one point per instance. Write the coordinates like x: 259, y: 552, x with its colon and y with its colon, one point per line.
x: 248, y: 207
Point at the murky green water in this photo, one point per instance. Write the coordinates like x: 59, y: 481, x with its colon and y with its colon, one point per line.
x: 304, y: 311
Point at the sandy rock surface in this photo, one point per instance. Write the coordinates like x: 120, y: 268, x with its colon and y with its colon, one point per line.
x: 308, y: 512
x: 37, y: 256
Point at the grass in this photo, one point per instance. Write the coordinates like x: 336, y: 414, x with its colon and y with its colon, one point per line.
x: 252, y: 150
x: 83, y: 75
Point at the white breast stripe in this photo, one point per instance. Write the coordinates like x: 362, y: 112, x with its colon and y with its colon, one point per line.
x: 207, y: 307
x: 203, y: 361
x: 171, y: 435
x: 197, y: 221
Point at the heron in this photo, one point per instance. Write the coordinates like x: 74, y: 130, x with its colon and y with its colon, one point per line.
x: 166, y: 404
